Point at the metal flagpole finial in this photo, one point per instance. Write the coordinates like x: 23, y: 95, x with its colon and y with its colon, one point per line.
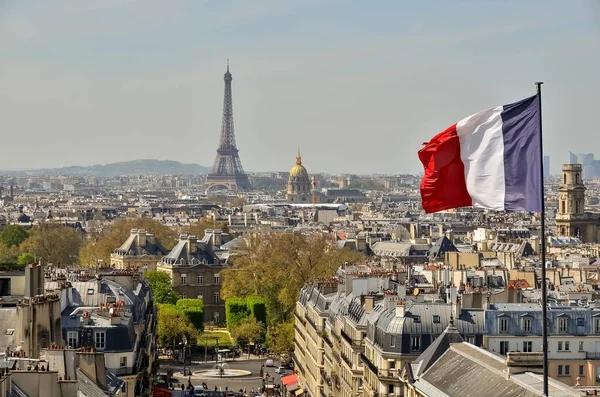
x: 228, y: 64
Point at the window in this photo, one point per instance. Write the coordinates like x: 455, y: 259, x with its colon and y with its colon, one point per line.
x: 90, y: 291
x: 392, y: 340
x: 597, y: 325
x: 200, y: 296
x: 216, y: 297
x: 564, y: 207
x: 415, y: 343
x: 10, y: 331
x: 503, y: 325
x: 201, y: 278
x: 527, y: 346
x: 503, y: 347
x: 577, y: 206
x: 417, y: 319
x: 100, y: 339
x: 581, y: 346
x: 580, y: 322
x: 183, y: 278
x: 565, y: 179
x: 216, y: 278
x: 580, y: 373
x: 577, y: 178
x: 183, y: 295
x: 563, y: 324
x: 73, y: 339
x: 436, y: 319
x: 560, y: 370
x: 560, y: 346
x: 123, y: 361
x: 526, y: 324
x: 567, y: 370
x: 391, y: 388
x: 567, y: 346
x: 471, y: 339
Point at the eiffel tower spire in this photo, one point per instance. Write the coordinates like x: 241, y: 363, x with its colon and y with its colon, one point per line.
x: 227, y: 172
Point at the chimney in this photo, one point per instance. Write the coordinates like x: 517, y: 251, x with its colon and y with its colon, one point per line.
x: 141, y: 238
x: 217, y: 241
x: 369, y: 303
x: 92, y: 364
x: 192, y: 244
x: 402, y: 290
x: 400, y: 308
x: 150, y: 238
x: 457, y: 308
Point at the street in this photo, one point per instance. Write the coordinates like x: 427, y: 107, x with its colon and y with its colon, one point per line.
x: 234, y: 384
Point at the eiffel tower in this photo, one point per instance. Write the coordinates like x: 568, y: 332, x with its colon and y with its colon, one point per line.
x: 227, y: 172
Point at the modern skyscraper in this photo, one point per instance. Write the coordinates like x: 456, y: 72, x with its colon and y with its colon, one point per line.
x: 546, y: 167
x: 227, y: 172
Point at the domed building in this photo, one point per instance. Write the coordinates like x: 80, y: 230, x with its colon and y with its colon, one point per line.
x: 299, y: 184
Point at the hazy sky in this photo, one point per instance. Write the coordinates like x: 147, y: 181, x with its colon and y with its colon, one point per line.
x: 357, y: 85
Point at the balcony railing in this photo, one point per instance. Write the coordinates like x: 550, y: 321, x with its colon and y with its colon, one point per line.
x: 369, y: 364
x: 121, y: 370
x: 592, y: 355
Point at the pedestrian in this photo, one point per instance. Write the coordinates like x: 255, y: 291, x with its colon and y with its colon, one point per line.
x: 182, y: 387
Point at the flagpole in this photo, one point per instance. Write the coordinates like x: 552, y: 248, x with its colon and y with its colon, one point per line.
x: 543, y: 247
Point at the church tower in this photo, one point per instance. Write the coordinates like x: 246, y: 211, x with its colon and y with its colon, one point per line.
x: 571, y: 219
x: 299, y: 184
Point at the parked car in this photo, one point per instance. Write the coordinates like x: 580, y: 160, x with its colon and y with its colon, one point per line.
x: 280, y: 370
x: 199, y: 391
x: 269, y: 363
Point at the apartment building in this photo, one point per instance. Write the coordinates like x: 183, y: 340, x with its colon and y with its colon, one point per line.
x: 355, y: 333
x: 573, y: 337
x: 112, y: 313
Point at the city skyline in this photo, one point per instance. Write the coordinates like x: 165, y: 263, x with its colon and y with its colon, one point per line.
x: 321, y: 75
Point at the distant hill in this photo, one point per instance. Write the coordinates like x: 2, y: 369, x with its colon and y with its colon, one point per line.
x: 135, y: 167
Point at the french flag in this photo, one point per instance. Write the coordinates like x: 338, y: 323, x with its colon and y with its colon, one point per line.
x: 490, y: 159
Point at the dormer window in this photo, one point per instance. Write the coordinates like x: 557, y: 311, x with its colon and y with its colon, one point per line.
x: 417, y: 319
x: 436, y: 319
x: 503, y: 325
x: 563, y: 324
x: 526, y: 323
x: 597, y: 325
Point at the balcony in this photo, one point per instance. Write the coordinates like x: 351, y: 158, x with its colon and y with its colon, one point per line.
x: 369, y: 364
x: 390, y: 373
x: 347, y: 360
x: 122, y: 371
x: 346, y: 337
x: 592, y: 355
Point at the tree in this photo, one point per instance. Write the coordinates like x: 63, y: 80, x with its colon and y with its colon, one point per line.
x: 53, y: 243
x: 199, y: 228
x: 257, y: 308
x: 236, y: 310
x: 239, y: 201
x: 8, y: 257
x: 276, y: 266
x: 173, y: 326
x: 13, y: 235
x: 193, y: 309
x: 248, y: 332
x: 162, y: 289
x: 99, y: 247
x: 25, y: 259
x: 280, y: 339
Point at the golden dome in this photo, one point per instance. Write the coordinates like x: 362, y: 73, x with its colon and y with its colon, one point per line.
x: 298, y: 170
